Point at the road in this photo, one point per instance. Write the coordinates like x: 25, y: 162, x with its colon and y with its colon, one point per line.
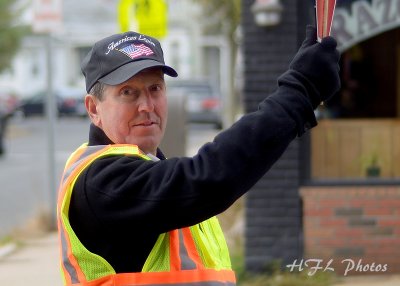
x: 24, y: 189
x: 24, y: 182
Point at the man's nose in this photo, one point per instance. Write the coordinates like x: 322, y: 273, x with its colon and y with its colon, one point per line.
x: 146, y: 103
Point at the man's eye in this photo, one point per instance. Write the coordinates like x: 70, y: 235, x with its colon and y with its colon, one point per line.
x: 156, y: 88
x: 128, y: 92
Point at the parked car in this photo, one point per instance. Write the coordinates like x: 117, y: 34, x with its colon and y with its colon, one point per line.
x: 69, y: 101
x: 203, y: 101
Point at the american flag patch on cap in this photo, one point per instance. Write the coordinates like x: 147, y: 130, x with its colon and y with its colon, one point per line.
x: 134, y: 51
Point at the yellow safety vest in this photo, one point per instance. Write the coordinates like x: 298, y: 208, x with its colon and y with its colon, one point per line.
x: 196, y: 255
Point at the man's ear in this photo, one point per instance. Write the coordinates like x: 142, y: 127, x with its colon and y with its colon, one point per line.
x: 91, y: 106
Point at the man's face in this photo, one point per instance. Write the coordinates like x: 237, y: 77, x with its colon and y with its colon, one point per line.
x: 133, y: 112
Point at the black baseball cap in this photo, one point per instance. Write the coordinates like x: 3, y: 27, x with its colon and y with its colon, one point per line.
x: 119, y: 57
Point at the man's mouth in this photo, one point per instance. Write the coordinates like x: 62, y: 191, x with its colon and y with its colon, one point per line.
x: 146, y: 123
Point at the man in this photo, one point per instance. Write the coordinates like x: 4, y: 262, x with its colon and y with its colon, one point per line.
x: 128, y: 215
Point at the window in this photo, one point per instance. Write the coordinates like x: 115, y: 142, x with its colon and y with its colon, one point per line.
x: 358, y: 136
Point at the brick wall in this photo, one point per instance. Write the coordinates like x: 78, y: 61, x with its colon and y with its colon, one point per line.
x: 360, y: 224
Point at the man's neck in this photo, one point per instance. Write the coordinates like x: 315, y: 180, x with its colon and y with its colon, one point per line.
x: 98, y: 137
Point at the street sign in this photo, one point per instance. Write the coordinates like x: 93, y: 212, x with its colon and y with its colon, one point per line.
x: 144, y: 16
x: 47, y: 16
x: 126, y: 16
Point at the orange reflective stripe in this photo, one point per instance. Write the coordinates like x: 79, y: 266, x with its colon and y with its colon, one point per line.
x: 74, y: 158
x: 191, y: 248
x: 186, y: 262
x: 69, y: 262
x: 67, y: 278
x: 183, y: 252
x: 84, y: 153
x: 67, y: 178
x: 174, y: 257
x: 209, y: 277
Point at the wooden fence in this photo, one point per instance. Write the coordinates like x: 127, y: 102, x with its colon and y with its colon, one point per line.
x: 355, y: 149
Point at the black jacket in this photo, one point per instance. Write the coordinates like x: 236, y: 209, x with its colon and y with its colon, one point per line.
x: 121, y: 204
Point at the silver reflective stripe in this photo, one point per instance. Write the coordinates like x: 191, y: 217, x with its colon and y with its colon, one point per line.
x: 152, y: 157
x: 67, y: 265
x: 89, y: 151
x: 186, y: 262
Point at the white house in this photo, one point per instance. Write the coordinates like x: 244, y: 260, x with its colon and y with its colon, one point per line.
x: 82, y: 22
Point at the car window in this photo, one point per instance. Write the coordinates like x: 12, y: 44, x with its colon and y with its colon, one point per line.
x: 39, y: 97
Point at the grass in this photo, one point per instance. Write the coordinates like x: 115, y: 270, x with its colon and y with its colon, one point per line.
x: 5, y: 240
x: 273, y: 275
x: 288, y: 279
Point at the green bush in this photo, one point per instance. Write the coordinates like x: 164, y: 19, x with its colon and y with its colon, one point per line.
x: 287, y: 279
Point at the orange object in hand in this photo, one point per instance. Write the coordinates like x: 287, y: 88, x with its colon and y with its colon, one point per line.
x: 324, y: 12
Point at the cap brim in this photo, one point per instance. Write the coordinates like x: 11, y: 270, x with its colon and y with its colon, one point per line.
x: 128, y: 70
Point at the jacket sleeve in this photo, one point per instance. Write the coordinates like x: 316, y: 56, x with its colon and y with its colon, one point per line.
x: 177, y: 192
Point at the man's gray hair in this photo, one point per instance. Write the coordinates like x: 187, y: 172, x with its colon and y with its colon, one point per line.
x: 98, y: 90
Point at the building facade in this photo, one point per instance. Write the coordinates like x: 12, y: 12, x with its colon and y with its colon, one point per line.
x: 81, y: 23
x: 334, y: 195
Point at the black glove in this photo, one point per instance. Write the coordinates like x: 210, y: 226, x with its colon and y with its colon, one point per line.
x: 316, y: 67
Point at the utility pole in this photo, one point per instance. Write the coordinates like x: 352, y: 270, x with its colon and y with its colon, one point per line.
x: 51, y: 117
x: 46, y: 21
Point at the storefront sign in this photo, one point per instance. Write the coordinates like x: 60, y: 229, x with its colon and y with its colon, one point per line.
x: 364, y: 20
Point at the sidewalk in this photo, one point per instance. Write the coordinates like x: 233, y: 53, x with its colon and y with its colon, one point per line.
x: 35, y: 263
x: 388, y: 280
